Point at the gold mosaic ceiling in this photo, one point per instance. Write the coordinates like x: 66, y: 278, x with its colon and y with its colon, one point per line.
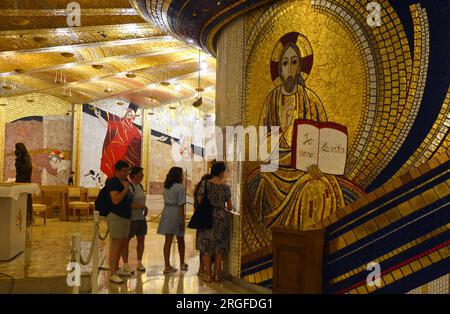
x: 113, y: 53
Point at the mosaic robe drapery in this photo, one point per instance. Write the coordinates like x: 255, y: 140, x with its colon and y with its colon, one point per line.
x: 289, y: 196
x: 122, y: 142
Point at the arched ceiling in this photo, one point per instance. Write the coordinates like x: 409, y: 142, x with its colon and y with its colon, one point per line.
x: 194, y: 21
x: 111, y: 42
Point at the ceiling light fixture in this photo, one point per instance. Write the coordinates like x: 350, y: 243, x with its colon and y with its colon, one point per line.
x: 97, y: 66
x: 67, y: 54
x: 39, y: 39
x: 67, y: 93
x: 198, y: 102
x: 20, y: 21
x: 130, y: 75
x: 7, y: 86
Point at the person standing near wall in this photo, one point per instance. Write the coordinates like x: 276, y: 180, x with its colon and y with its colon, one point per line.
x: 70, y: 181
x: 215, y: 241
x: 119, y: 216
x: 173, y: 217
x: 201, y: 266
x: 24, y: 169
x: 138, y: 223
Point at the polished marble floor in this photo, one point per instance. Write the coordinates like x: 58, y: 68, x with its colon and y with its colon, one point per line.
x: 48, y: 253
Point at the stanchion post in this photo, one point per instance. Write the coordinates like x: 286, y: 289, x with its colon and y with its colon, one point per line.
x: 94, y: 274
x: 76, y: 247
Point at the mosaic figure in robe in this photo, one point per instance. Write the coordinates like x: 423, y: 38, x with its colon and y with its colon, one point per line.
x: 289, y: 196
x: 122, y: 141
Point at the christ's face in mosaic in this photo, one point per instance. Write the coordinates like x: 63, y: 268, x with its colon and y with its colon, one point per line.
x: 290, y: 69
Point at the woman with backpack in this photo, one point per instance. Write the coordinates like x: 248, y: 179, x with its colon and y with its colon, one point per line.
x: 138, y: 226
x: 173, y: 217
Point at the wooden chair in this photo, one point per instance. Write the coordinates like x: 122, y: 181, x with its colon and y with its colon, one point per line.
x: 92, y: 194
x: 40, y: 209
x: 77, y: 205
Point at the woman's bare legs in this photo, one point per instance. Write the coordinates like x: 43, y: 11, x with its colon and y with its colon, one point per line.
x: 218, y: 267
x: 207, y: 266
x: 181, y: 249
x: 140, y: 247
x: 167, y: 246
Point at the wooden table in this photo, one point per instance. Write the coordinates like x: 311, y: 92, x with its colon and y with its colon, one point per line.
x: 59, y: 194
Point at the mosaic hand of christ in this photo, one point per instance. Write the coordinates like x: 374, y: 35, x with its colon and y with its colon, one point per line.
x: 319, y: 146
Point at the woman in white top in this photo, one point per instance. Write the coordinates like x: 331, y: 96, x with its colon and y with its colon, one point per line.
x: 172, y: 221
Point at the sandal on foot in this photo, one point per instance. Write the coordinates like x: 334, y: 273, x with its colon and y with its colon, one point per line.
x: 184, y: 267
x: 200, y: 273
x: 206, y: 278
x: 170, y: 270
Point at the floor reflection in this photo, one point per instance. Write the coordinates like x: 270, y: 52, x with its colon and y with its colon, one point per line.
x: 48, y: 252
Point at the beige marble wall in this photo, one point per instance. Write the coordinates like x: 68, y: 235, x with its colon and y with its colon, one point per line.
x: 160, y: 162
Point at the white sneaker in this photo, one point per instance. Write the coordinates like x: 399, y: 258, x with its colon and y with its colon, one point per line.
x: 126, y: 267
x: 116, y: 279
x: 141, y: 267
x: 122, y: 272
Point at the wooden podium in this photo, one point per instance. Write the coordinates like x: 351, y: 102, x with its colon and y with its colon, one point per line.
x: 297, y: 260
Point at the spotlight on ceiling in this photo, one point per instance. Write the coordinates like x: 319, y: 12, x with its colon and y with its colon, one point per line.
x: 67, y: 54
x: 39, y: 39
x: 165, y: 83
x: 97, y: 66
x: 198, y: 102
x: 7, y: 86
x: 130, y: 75
x: 108, y: 90
x: 20, y: 21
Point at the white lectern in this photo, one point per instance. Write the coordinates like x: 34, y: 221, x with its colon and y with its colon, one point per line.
x: 13, y: 216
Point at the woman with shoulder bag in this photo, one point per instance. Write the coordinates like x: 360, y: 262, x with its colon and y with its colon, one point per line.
x: 214, y: 241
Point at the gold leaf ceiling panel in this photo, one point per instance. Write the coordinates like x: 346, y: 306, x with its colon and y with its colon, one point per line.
x: 114, y: 53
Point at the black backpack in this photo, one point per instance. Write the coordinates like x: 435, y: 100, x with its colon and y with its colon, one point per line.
x: 103, y: 201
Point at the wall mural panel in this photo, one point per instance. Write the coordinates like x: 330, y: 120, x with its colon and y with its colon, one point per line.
x: 45, y: 127
x: 321, y: 69
x: 176, y: 132
x: 110, y: 132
